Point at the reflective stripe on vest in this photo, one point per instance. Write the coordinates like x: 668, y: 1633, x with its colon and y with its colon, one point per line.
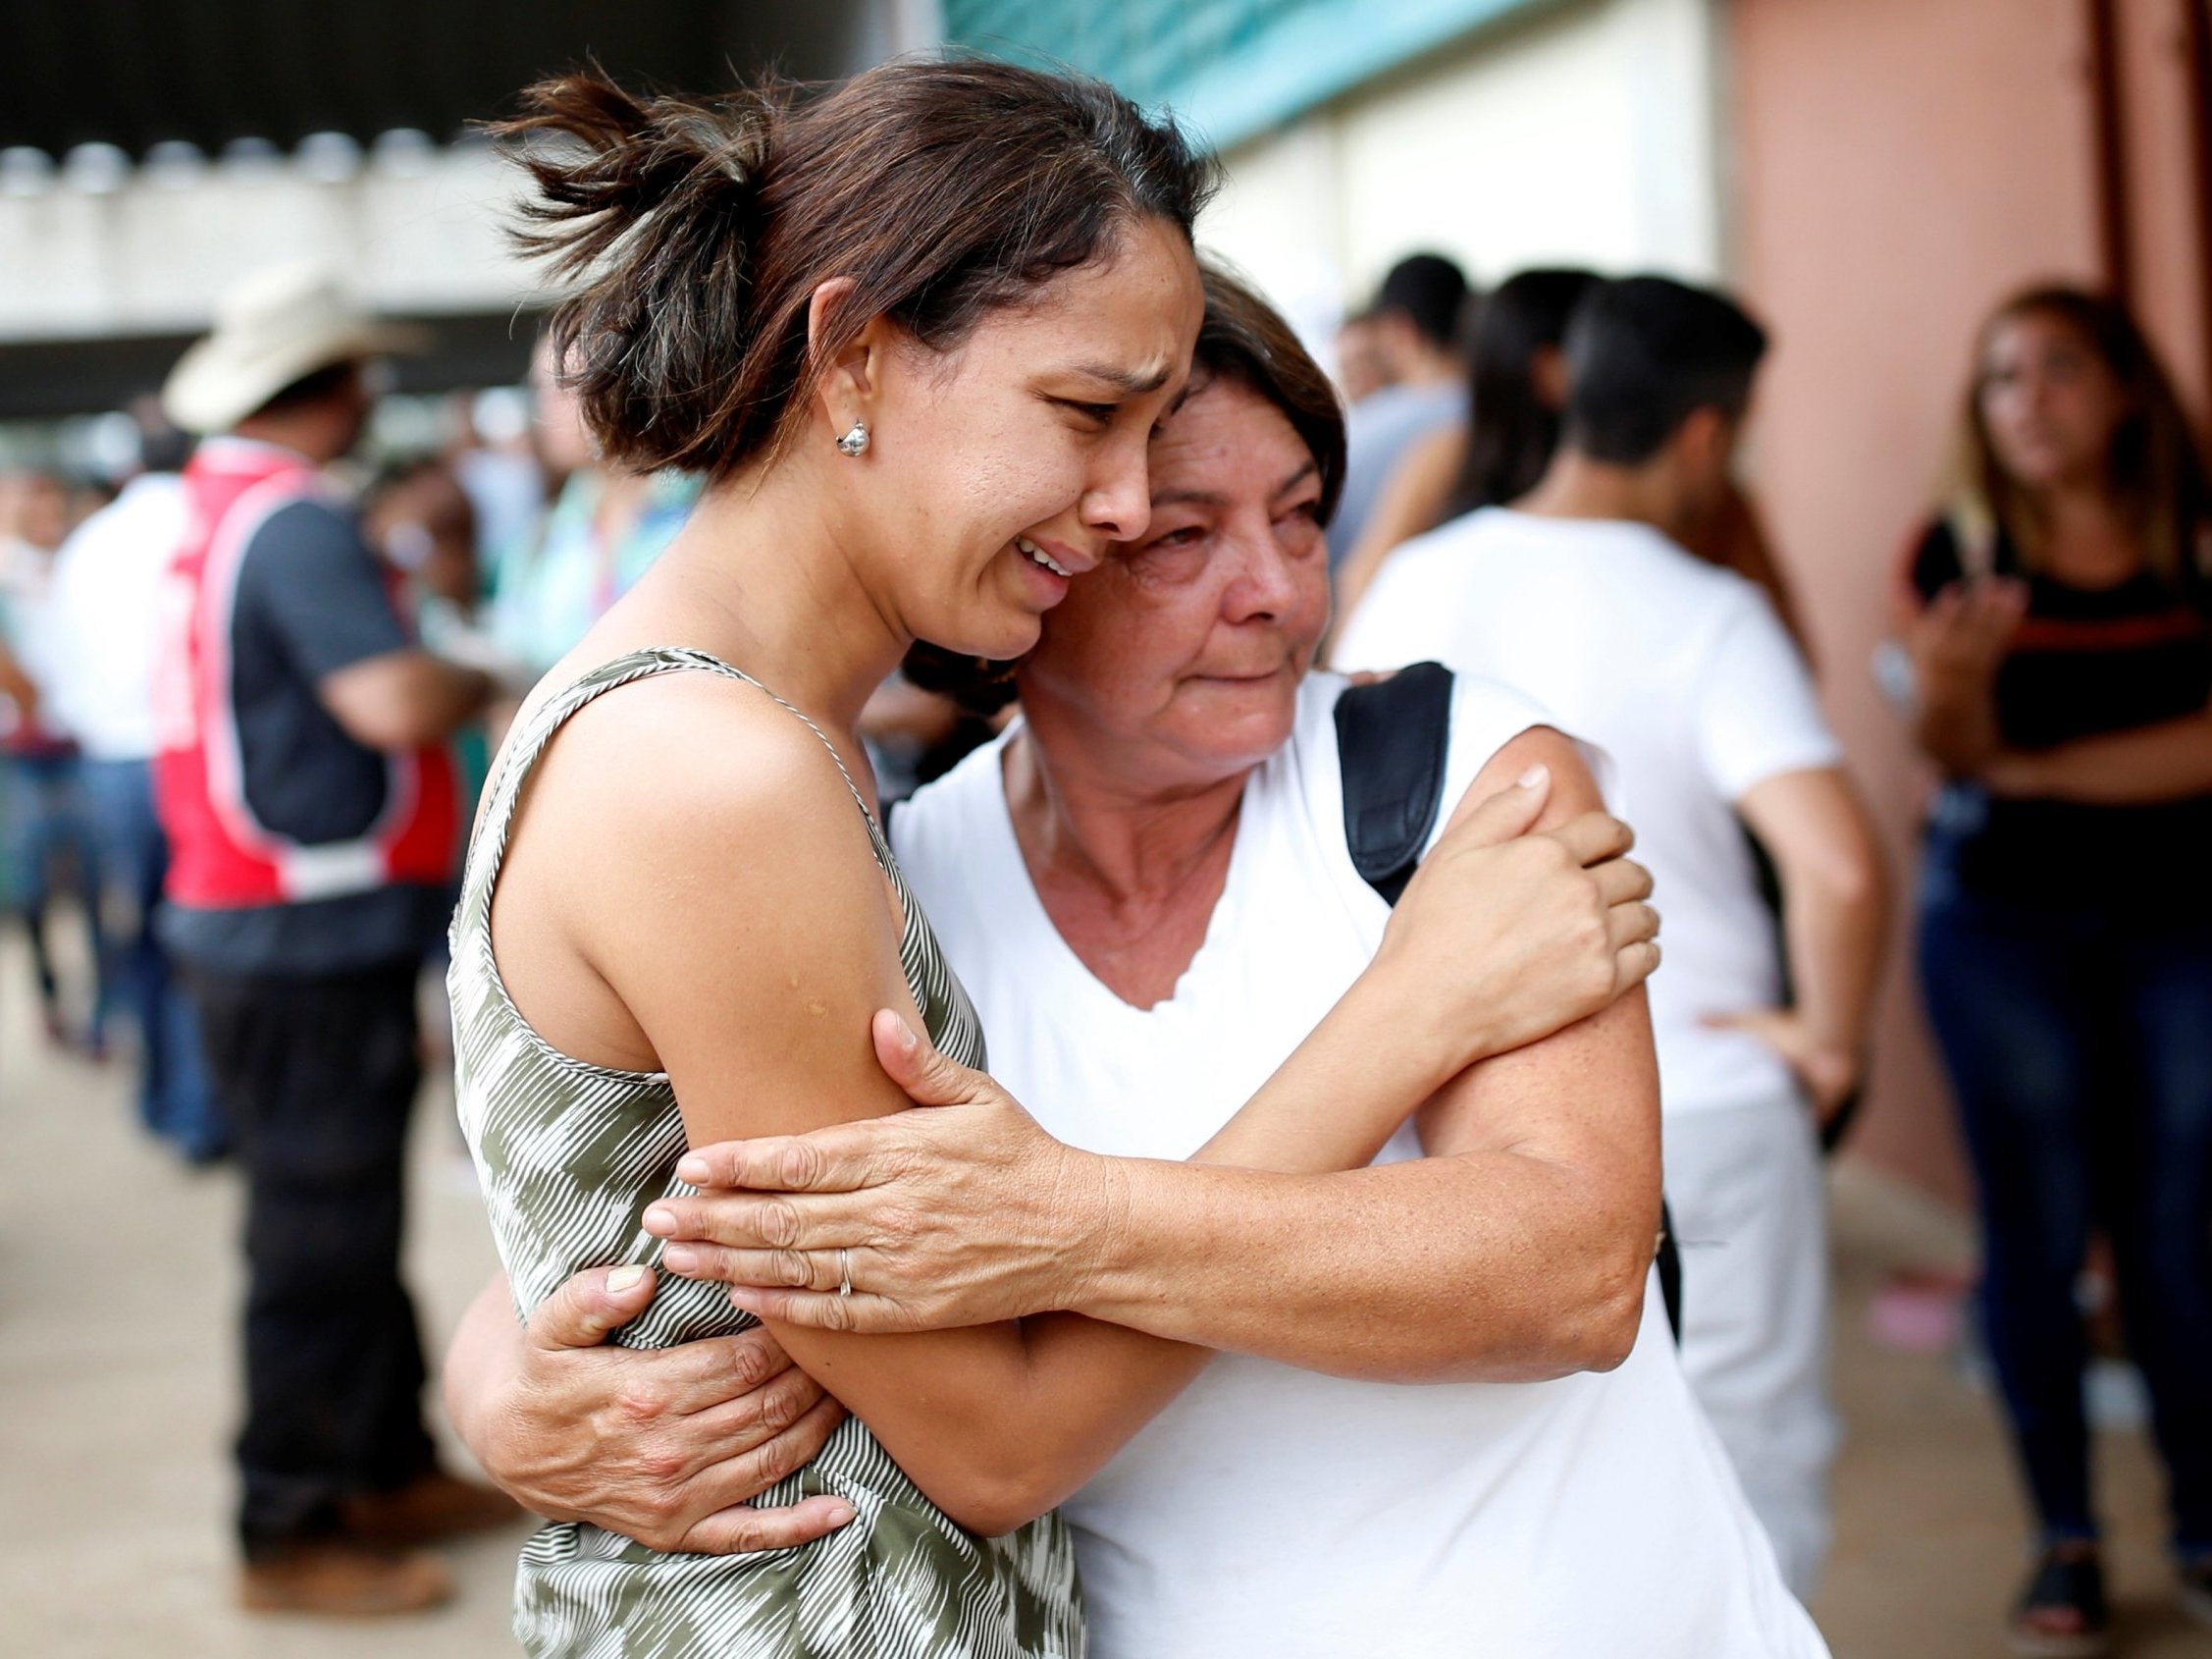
x: 221, y: 856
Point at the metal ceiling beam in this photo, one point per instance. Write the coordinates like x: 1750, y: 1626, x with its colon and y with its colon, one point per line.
x: 134, y: 72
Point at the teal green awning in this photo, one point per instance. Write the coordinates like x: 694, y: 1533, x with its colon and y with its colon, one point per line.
x: 1229, y: 68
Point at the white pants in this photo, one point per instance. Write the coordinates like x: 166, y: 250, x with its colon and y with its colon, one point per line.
x: 1750, y: 1211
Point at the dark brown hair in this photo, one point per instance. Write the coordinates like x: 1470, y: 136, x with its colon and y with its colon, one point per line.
x: 1512, y: 431
x: 701, y: 231
x: 1645, y: 354
x: 1243, y: 339
x: 2155, y: 468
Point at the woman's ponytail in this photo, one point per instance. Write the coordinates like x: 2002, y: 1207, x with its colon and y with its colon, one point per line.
x: 649, y: 206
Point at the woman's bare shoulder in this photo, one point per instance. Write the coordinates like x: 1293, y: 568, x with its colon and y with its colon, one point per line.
x: 658, y: 753
x: 699, y: 853
x: 677, y: 797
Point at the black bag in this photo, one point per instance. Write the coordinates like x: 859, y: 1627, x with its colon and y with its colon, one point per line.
x: 1391, y: 741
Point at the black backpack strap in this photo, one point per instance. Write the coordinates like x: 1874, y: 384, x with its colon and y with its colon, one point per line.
x: 1392, y: 738
x: 1670, y: 1271
x: 1391, y: 741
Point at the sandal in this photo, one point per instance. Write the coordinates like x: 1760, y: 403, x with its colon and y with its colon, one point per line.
x: 2194, y: 1591
x: 2062, y: 1613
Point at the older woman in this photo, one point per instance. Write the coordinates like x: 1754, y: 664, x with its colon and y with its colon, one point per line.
x: 1149, y: 889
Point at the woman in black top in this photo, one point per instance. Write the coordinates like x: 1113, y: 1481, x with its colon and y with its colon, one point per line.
x: 2058, y: 624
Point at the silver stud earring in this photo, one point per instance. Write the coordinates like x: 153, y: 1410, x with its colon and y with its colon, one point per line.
x: 854, y: 441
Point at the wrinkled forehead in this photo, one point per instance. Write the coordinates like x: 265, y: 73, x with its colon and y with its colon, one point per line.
x: 1127, y: 320
x: 1223, y: 437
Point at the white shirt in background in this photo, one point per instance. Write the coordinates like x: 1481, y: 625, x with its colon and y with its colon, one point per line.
x: 103, y: 610
x: 1681, y: 673
x: 1271, y: 1513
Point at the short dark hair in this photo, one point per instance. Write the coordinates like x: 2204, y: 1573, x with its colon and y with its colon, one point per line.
x: 943, y: 189
x: 312, y: 387
x: 1644, y: 354
x: 1430, y: 290
x: 1244, y: 339
x: 163, y: 448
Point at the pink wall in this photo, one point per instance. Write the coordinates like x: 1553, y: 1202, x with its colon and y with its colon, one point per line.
x: 1902, y: 164
x: 2162, y: 212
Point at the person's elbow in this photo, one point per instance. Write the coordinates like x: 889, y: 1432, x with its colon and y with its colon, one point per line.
x: 1822, y: 840
x: 1612, y: 1311
x: 993, y: 1514
x: 389, y: 730
x: 991, y: 1469
x: 1601, y: 1310
x: 393, y: 703
x: 1850, y: 873
x: 1851, y: 877
x: 992, y: 1499
x: 1582, y: 1315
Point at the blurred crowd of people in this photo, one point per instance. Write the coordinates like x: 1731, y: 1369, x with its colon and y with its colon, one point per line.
x: 2052, y: 658
x: 249, y: 695
x: 1541, y: 488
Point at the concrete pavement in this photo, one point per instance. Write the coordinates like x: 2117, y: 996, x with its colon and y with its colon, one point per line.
x: 119, y: 1287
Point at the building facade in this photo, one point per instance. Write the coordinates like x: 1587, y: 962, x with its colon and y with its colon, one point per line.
x: 1872, y: 176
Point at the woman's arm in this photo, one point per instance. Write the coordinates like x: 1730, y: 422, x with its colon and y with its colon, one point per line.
x: 1517, y: 1250
x: 2170, y: 761
x: 1520, y: 1252
x: 1957, y: 642
x: 743, y: 925
x: 1835, y: 922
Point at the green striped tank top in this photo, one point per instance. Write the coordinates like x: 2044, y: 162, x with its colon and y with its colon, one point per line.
x: 570, y: 1154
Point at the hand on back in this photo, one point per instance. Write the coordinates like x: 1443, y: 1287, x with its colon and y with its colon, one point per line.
x: 666, y: 1446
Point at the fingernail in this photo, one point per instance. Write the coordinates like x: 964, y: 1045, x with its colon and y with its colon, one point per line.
x: 623, y: 1279
x: 839, y: 1514
x: 680, y: 1259
x: 908, y: 1041
x: 1535, y: 775
x: 692, y: 1168
x: 659, y: 1220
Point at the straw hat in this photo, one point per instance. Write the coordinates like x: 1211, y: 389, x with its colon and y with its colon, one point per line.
x: 271, y: 329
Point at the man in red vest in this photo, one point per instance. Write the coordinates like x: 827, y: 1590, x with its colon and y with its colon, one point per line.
x: 304, y: 785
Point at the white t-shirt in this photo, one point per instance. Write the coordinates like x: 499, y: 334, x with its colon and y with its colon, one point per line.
x: 104, y: 608
x: 1270, y: 1513
x: 1680, y: 671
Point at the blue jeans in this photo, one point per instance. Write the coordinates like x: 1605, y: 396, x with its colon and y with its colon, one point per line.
x: 2078, y: 1040
x: 175, y: 1097
x: 46, y: 840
